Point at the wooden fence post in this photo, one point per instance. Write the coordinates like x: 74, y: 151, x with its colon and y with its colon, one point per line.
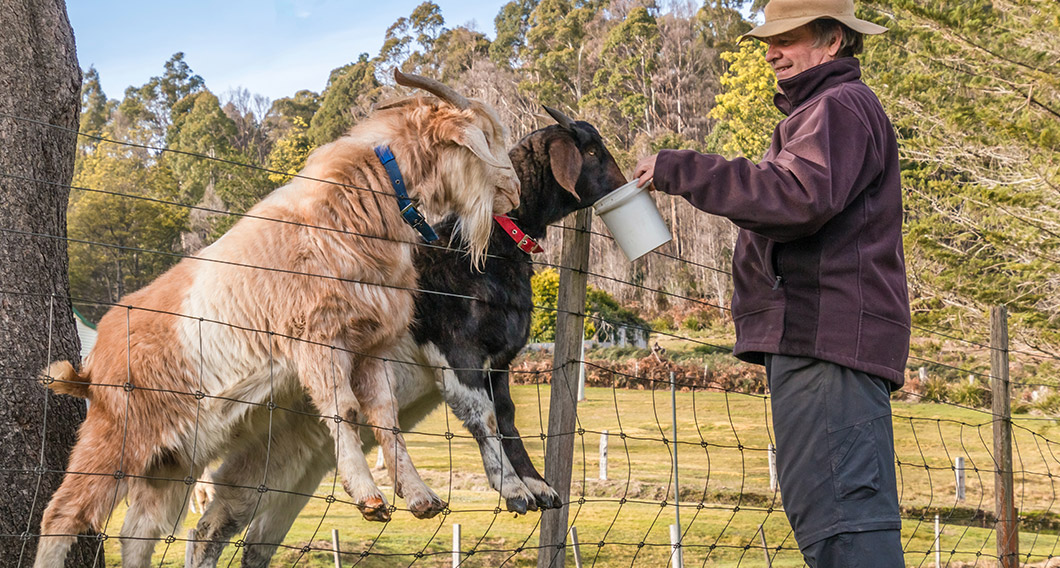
x: 1004, y: 506
x: 563, y: 400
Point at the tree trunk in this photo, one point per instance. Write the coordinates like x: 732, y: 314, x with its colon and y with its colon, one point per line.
x: 41, y: 81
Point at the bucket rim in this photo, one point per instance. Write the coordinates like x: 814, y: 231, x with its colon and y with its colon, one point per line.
x: 619, y: 196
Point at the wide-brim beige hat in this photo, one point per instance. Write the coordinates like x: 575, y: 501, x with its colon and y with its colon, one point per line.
x: 786, y: 15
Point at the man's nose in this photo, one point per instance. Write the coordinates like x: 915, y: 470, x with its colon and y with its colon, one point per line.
x: 771, y: 53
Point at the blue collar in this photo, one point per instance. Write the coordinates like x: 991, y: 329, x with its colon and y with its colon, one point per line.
x: 408, y: 211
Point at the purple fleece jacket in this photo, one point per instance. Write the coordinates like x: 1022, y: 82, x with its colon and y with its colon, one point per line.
x: 818, y: 268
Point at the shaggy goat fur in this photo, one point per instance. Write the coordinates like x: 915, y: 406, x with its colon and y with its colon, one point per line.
x: 560, y: 170
x: 301, y: 297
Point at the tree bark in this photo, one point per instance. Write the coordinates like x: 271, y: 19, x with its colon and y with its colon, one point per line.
x: 40, y: 80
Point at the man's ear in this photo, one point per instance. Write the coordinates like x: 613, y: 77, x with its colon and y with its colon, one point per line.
x: 837, y: 40
x: 566, y: 163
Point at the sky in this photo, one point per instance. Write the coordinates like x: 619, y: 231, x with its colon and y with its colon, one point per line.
x: 270, y: 47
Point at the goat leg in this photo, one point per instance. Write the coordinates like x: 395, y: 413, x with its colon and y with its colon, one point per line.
x: 327, y: 375
x: 546, y: 496
x: 465, y: 389
x: 375, y: 391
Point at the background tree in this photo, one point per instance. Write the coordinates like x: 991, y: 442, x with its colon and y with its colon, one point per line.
x: 511, y: 25
x: 556, y: 49
x: 745, y: 111
x: 973, y: 90
x: 133, y: 229
x: 41, y: 81
x: 283, y: 112
x: 622, y: 86
x: 289, y: 153
x: 152, y: 103
x: 250, y: 114
x: 95, y: 111
x: 455, y: 51
x: 351, y: 90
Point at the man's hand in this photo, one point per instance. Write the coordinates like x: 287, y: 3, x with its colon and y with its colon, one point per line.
x: 645, y: 171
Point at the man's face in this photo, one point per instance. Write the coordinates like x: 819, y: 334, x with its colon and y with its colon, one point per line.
x: 793, y: 52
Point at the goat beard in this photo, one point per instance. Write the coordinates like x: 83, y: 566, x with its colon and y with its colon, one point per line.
x: 473, y: 187
x: 474, y: 225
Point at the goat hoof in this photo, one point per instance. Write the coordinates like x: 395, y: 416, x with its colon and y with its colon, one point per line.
x: 375, y: 509
x: 549, y: 499
x: 517, y: 505
x: 428, y: 508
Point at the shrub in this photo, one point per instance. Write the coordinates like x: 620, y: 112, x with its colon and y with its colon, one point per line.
x: 692, y: 322
x: 972, y: 394
x: 606, y: 314
x: 663, y: 323
x: 935, y: 389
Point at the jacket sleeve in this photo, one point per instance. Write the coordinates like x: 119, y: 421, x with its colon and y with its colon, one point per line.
x: 821, y: 154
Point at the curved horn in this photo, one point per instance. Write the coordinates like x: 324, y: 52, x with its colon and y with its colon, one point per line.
x: 436, y: 88
x: 563, y: 120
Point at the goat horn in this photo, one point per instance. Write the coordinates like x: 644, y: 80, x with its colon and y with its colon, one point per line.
x: 434, y: 87
x: 563, y: 120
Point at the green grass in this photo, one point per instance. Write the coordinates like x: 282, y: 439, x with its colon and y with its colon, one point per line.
x: 724, y: 481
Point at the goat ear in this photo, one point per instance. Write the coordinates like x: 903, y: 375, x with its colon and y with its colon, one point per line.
x: 473, y: 139
x: 566, y: 163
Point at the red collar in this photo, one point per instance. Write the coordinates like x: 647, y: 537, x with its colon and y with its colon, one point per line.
x: 525, y: 242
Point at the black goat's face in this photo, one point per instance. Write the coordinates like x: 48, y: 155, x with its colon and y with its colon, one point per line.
x: 581, y: 163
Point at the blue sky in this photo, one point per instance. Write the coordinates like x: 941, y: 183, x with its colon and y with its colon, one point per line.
x: 271, y: 47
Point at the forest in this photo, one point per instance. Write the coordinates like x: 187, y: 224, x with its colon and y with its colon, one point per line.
x: 972, y: 87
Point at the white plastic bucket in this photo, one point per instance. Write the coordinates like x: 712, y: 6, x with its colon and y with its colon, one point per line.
x: 633, y: 219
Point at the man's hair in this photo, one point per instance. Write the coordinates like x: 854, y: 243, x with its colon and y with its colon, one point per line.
x: 824, y: 29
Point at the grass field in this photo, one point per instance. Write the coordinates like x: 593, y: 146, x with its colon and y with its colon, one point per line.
x: 724, y: 479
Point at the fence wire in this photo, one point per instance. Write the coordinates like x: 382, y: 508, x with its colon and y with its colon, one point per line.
x: 623, y: 497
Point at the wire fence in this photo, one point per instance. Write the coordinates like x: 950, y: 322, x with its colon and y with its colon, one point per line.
x: 673, y: 450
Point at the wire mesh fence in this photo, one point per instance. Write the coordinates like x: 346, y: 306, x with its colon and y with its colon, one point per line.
x: 670, y: 460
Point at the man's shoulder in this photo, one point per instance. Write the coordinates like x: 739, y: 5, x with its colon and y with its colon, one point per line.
x: 849, y: 97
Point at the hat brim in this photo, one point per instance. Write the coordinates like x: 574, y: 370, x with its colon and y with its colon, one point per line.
x: 777, y: 27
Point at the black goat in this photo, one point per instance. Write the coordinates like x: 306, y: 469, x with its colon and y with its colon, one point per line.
x: 561, y: 168
x: 461, y: 347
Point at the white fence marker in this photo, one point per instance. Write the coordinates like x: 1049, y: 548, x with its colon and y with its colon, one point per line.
x: 577, y: 549
x: 675, y: 529
x: 675, y: 541
x: 581, y: 373
x: 771, y: 450
x: 603, y: 455
x: 938, y: 543
x: 456, y: 545
x: 958, y: 470
x: 335, y: 547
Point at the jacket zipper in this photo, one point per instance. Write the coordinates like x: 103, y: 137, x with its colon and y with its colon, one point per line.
x: 774, y: 262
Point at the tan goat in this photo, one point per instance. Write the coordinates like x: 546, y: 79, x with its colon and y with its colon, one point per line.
x: 301, y: 296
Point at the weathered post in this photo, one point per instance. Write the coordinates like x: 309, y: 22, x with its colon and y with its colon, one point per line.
x: 958, y: 470
x: 1004, y: 506
x: 336, y: 554
x: 563, y: 401
x: 603, y: 456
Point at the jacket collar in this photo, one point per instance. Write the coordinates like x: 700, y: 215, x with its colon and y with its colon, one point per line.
x: 801, y: 87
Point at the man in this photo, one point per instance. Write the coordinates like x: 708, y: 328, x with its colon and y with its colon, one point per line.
x: 820, y: 293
